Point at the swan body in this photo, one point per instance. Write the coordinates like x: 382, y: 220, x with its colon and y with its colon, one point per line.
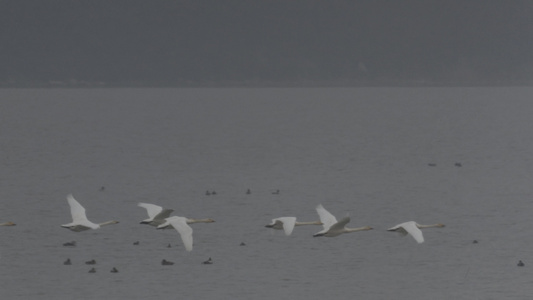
x: 412, y: 228
x: 79, y: 219
x: 188, y: 221
x: 8, y: 224
x: 332, y: 227
x: 185, y: 231
x: 288, y: 223
x: 156, y: 214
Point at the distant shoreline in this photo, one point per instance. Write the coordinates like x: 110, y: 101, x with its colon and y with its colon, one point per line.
x: 262, y: 84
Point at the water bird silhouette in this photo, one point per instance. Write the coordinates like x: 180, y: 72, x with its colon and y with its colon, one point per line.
x: 70, y: 244
x: 208, y: 262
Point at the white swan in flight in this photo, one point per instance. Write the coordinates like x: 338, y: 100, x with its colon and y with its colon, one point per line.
x: 156, y: 214
x: 8, y: 224
x: 79, y: 219
x: 332, y: 227
x: 413, y: 229
x: 166, y: 225
x: 185, y: 231
x: 288, y: 223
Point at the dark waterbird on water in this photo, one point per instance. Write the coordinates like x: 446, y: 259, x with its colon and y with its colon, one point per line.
x: 208, y: 262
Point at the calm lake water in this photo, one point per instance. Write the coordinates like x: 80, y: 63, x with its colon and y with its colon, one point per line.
x: 381, y: 155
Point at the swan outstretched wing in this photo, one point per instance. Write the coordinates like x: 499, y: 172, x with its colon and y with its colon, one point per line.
x: 409, y: 228
x: 165, y: 213
x: 340, y: 225
x: 185, y: 231
x: 79, y: 219
x: 76, y: 210
x: 152, y: 209
x: 276, y: 224
x: 326, y: 217
x: 288, y: 224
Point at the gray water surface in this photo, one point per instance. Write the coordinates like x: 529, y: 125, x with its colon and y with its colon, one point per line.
x: 364, y: 152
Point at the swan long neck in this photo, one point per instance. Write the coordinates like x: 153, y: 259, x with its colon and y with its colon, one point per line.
x: 108, y: 223
x: 429, y: 226
x: 189, y: 221
x: 308, y: 223
x: 358, y: 229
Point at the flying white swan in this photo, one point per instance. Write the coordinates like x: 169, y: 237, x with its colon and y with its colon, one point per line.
x: 185, y: 231
x: 156, y: 214
x: 413, y: 229
x: 288, y: 223
x: 79, y: 219
x: 187, y: 220
x: 8, y: 224
x: 332, y: 227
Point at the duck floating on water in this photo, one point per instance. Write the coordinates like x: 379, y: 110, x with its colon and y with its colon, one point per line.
x: 165, y: 262
x: 208, y: 262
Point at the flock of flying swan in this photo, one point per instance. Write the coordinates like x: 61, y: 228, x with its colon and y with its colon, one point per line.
x: 160, y: 218
x: 333, y: 228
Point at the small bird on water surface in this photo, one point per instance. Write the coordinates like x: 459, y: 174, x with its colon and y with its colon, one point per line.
x: 91, y: 262
x: 520, y: 263
x: 208, y: 262
x: 165, y: 262
x: 114, y: 270
x: 67, y: 262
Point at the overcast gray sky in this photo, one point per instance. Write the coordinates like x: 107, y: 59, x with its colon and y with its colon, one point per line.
x: 169, y: 42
